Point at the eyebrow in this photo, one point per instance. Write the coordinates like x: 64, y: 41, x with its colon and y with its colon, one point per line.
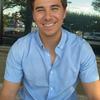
x: 39, y: 7
x: 56, y: 5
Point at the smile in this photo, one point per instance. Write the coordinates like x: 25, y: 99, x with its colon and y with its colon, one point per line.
x: 48, y: 25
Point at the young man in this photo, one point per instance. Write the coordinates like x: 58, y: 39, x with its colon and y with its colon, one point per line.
x: 49, y: 61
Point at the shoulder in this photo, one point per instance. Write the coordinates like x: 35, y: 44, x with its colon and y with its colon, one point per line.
x: 21, y: 46
x: 24, y: 41
x: 75, y: 42
x: 74, y: 39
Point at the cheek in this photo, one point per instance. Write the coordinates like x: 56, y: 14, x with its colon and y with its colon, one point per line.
x: 60, y: 16
x: 37, y: 17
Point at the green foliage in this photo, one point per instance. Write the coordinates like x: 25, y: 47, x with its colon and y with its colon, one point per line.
x: 13, y: 3
x: 82, y: 22
x: 96, y: 5
x: 73, y: 21
x: 26, y: 14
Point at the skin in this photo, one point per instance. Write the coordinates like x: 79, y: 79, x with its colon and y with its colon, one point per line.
x: 92, y: 90
x: 49, y: 18
x: 49, y: 15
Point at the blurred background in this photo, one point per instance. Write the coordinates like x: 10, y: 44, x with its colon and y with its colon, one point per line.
x: 83, y: 19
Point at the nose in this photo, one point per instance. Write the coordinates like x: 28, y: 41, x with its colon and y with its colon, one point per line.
x: 48, y: 15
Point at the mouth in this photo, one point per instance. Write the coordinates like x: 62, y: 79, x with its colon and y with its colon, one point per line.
x: 48, y: 25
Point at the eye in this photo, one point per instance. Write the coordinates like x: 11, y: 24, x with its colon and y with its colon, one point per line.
x: 55, y: 8
x: 40, y: 10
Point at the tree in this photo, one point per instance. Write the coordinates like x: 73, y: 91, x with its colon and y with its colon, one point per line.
x: 28, y: 17
x: 13, y: 3
x: 81, y: 22
x: 1, y: 20
x: 96, y: 5
x: 25, y: 11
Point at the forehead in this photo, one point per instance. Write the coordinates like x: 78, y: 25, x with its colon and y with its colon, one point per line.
x: 46, y: 2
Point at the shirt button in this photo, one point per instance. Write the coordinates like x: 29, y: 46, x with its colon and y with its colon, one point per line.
x: 51, y: 88
x: 51, y: 72
x: 48, y: 54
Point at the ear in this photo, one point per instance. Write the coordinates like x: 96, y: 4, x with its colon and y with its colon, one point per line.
x: 33, y: 16
x: 65, y: 13
x: 33, y: 19
x: 64, y: 16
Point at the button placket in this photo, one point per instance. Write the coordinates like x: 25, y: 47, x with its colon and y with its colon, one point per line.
x: 47, y: 56
x: 51, y: 84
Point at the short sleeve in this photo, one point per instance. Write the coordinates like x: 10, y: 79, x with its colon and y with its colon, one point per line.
x: 88, y: 69
x: 13, y: 70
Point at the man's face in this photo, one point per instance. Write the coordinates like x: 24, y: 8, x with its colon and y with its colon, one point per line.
x: 48, y: 15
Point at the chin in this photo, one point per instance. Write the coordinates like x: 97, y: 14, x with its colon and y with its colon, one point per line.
x: 51, y: 34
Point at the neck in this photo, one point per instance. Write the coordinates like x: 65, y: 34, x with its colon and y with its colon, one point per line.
x: 50, y: 42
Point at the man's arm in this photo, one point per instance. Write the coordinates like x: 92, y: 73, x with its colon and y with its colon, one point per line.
x: 9, y: 90
x: 92, y: 90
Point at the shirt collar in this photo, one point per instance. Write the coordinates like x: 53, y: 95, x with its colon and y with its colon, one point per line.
x: 38, y: 40
x: 61, y: 42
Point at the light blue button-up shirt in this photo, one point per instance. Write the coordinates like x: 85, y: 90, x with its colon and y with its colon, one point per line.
x: 29, y: 62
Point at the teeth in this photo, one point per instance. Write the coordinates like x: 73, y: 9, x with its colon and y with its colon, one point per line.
x: 48, y: 25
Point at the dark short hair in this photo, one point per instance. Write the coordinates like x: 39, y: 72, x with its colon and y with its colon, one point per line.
x: 64, y: 3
